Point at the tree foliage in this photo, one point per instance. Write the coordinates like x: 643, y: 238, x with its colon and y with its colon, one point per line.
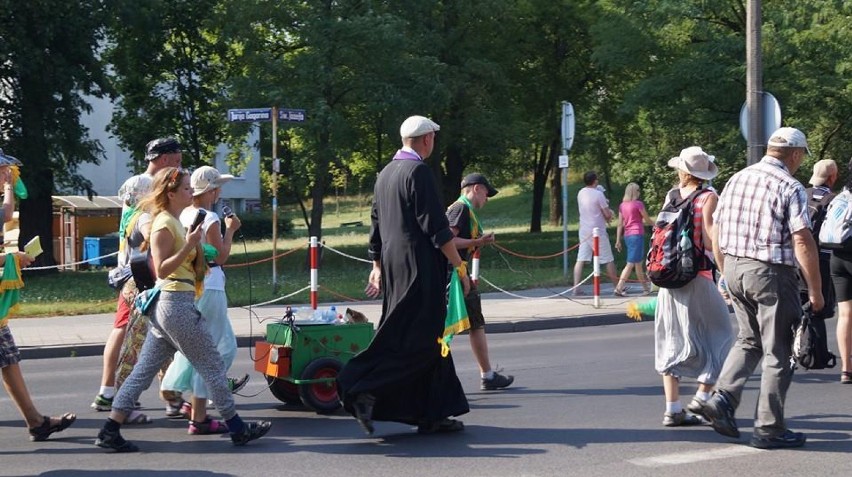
x: 48, y: 62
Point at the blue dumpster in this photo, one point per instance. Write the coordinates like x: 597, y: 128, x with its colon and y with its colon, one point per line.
x: 94, y: 247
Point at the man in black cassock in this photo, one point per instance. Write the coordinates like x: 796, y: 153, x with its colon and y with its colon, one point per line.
x: 401, y: 376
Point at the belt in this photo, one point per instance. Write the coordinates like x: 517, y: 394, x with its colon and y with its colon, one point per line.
x: 213, y: 264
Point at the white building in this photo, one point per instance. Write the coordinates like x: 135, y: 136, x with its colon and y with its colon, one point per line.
x: 108, y: 176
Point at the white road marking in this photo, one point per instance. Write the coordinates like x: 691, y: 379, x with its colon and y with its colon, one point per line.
x: 681, y: 458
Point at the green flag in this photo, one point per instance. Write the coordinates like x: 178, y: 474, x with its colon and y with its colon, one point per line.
x: 457, y: 318
x: 10, y: 287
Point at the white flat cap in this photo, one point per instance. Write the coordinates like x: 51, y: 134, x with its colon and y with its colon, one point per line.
x: 417, y: 126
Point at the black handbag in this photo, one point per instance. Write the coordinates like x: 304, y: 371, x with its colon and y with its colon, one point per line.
x: 142, y: 270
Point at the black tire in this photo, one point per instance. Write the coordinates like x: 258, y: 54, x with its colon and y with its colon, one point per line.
x: 284, y: 390
x: 321, y: 397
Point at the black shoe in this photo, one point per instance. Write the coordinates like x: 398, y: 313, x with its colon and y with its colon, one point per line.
x: 720, y: 412
x: 250, y: 432
x: 363, y: 407
x: 444, y: 425
x: 114, y: 441
x: 786, y: 440
x: 498, y: 381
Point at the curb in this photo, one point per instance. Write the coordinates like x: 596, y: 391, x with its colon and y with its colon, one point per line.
x: 520, y: 326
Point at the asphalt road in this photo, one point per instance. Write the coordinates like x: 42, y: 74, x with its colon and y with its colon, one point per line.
x: 586, y: 402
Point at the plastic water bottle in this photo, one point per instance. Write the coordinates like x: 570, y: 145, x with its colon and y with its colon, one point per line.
x: 330, y: 315
x: 686, y: 251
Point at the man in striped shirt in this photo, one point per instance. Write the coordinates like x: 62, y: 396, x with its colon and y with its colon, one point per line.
x: 762, y: 232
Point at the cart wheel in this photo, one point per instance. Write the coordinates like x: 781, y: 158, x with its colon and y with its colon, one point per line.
x: 321, y: 397
x: 284, y: 390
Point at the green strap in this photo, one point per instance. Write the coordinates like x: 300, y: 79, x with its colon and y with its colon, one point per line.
x: 475, y: 229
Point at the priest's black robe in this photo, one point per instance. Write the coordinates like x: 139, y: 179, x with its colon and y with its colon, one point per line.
x: 403, y: 367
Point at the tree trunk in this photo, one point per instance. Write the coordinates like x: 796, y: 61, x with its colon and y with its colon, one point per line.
x: 36, y: 212
x: 455, y: 168
x: 539, y: 178
x: 544, y: 163
x: 555, y: 193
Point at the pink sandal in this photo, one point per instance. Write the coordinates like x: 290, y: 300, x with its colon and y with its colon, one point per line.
x: 208, y: 426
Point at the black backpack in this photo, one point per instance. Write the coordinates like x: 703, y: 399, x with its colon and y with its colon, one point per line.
x: 810, y: 346
x: 673, y: 260
x: 818, y: 201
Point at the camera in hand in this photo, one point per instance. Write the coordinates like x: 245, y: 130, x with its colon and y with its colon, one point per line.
x: 199, y: 218
x: 226, y: 211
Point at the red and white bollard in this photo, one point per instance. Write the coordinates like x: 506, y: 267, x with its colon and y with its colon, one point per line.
x: 474, y: 268
x: 314, y: 272
x: 596, y: 265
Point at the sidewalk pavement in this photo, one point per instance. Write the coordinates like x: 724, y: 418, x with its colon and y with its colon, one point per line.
x: 84, y: 335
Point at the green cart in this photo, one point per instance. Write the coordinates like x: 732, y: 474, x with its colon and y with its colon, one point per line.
x: 301, y: 361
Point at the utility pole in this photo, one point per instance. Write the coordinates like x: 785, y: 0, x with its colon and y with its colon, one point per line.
x: 754, y: 82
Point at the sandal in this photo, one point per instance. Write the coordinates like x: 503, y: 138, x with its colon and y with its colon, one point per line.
x: 208, y: 426
x: 174, y: 409
x: 42, y: 432
x: 846, y: 377
x: 136, y: 418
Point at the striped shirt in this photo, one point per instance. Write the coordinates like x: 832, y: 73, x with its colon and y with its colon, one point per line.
x: 758, y: 212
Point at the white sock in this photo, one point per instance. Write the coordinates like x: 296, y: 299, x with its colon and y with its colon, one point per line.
x: 107, y: 391
x: 702, y: 395
x: 488, y: 375
x: 673, y: 407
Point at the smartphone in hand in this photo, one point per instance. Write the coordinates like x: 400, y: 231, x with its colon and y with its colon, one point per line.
x: 199, y: 218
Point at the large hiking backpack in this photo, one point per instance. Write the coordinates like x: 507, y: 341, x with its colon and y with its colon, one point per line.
x: 673, y: 260
x: 836, y: 230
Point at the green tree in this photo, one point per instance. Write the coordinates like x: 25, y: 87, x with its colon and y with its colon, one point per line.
x: 551, y: 64
x: 168, y: 70
x: 340, y: 60
x: 49, y: 64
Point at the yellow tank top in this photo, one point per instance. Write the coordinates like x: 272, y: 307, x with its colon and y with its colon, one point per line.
x: 185, y: 271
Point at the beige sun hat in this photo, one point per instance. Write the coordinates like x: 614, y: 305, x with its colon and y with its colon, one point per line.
x: 695, y: 162
x: 207, y: 178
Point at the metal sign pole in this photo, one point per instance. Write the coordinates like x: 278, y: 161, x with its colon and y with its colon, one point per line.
x: 274, y: 114
x: 274, y: 198
x: 567, y: 142
x: 565, y: 218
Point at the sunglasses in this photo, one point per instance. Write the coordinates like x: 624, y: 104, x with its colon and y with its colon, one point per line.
x: 172, y: 180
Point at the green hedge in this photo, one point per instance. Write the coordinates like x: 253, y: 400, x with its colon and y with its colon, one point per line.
x: 258, y: 226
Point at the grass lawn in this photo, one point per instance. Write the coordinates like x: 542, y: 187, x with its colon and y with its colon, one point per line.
x: 341, y: 279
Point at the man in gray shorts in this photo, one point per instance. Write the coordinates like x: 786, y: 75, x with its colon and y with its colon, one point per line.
x: 468, y: 239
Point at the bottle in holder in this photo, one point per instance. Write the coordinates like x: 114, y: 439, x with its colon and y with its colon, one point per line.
x: 686, y: 251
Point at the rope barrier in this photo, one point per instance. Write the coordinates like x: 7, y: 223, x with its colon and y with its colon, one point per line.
x: 339, y: 295
x: 279, y: 298
x: 560, y: 294
x: 534, y: 257
x: 346, y: 255
x: 67, y: 265
x: 275, y: 257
